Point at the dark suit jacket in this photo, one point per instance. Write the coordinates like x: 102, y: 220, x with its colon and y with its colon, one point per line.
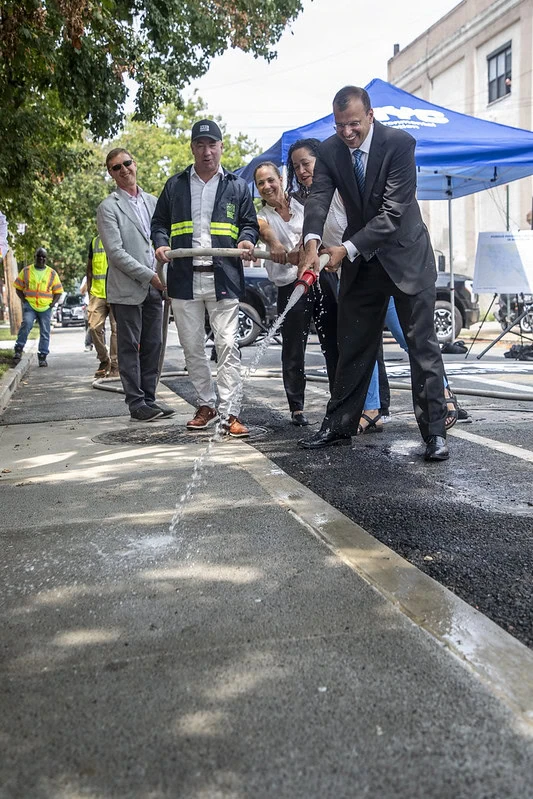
x: 387, y: 221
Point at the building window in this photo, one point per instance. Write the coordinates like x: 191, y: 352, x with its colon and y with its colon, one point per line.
x: 499, y: 64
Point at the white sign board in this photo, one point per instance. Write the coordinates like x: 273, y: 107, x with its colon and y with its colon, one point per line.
x: 504, y: 263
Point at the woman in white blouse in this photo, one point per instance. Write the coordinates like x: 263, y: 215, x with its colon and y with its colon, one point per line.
x: 280, y: 226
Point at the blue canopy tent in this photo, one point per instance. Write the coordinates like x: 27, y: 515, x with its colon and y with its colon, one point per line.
x: 456, y: 154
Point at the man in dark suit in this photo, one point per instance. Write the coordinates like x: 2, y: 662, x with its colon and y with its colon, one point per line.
x: 386, y: 251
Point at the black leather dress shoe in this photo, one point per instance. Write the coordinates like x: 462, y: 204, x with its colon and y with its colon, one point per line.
x: 436, y: 449
x: 299, y: 419
x: 324, y: 438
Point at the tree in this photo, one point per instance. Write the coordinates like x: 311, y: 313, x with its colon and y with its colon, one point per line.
x: 63, y: 217
x: 63, y: 62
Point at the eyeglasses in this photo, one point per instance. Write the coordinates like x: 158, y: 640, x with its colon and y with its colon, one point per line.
x: 340, y: 126
x: 118, y: 167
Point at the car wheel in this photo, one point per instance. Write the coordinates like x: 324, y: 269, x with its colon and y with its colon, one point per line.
x: 443, y: 321
x: 64, y: 324
x: 248, y: 324
x: 526, y: 324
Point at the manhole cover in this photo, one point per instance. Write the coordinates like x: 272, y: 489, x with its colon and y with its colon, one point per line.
x: 167, y: 434
x: 147, y: 436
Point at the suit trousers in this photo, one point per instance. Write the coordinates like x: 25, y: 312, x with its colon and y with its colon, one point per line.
x: 363, y: 301
x: 320, y: 303
x: 139, y: 346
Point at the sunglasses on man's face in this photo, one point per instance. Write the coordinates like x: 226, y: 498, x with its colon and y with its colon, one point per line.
x: 118, y: 167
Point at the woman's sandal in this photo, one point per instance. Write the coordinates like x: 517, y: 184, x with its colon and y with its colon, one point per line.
x: 453, y: 411
x: 372, y: 426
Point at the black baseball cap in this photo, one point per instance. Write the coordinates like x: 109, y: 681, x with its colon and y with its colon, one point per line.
x: 206, y: 127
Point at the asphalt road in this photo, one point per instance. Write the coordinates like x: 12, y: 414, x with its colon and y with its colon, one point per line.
x: 466, y: 522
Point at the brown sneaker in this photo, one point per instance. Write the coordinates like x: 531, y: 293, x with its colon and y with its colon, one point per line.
x: 205, y: 417
x: 103, y: 369
x: 233, y: 427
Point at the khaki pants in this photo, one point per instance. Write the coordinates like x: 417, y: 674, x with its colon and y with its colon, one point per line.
x: 99, y: 310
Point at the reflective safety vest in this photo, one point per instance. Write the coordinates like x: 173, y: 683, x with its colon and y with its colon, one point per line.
x: 39, y: 286
x: 99, y: 269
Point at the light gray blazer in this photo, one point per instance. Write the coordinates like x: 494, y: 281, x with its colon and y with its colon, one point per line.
x: 127, y: 248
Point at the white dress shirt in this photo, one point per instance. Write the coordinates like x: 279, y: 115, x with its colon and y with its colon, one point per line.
x: 203, y: 196
x: 138, y: 204
x: 351, y: 249
x: 288, y: 234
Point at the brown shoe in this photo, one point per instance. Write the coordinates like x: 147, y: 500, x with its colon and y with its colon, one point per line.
x: 205, y: 417
x: 232, y: 427
x: 103, y: 369
x: 113, y: 372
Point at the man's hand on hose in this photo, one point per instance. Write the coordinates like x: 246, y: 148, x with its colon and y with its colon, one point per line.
x: 161, y: 254
x: 309, y: 260
x: 247, y: 250
x: 336, y: 256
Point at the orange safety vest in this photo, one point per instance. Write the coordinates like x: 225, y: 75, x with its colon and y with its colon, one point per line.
x: 39, y: 286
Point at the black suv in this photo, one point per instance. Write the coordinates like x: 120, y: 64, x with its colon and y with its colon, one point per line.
x: 71, y: 311
x: 466, y: 306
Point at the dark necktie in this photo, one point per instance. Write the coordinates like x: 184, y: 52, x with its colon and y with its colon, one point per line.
x: 359, y: 171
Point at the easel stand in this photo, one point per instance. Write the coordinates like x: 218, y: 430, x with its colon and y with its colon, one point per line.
x: 508, y: 329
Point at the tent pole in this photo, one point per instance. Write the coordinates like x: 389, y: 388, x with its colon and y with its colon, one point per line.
x: 452, y: 276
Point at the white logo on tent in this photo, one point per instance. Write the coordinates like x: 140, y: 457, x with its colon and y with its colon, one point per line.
x: 405, y: 117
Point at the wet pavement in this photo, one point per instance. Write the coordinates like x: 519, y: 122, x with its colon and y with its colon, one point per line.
x: 256, y: 641
x: 468, y: 523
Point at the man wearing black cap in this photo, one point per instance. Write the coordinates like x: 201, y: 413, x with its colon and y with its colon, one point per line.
x: 206, y: 206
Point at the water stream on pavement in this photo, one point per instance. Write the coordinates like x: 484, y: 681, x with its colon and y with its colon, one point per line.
x: 235, y: 401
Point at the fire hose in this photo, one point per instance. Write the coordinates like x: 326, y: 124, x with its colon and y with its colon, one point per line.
x: 306, y: 280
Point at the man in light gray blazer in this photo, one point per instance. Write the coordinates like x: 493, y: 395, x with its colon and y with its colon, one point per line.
x: 133, y: 287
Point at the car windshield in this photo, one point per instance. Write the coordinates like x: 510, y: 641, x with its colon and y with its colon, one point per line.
x: 74, y: 299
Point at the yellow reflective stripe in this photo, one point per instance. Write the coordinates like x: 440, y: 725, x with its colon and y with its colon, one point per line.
x: 179, y: 228
x: 97, y: 245
x: 36, y: 293
x: 224, y: 229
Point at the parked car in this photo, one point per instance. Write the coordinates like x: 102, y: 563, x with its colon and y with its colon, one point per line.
x: 71, y: 311
x: 466, y: 306
x: 258, y: 308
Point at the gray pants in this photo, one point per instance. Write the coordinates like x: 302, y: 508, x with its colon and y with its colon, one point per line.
x: 139, y: 347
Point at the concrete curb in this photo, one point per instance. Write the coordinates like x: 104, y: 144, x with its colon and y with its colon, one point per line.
x: 497, y: 659
x: 10, y: 381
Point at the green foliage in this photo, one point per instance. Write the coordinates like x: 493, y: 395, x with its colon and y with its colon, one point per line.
x: 63, y: 217
x: 62, y: 68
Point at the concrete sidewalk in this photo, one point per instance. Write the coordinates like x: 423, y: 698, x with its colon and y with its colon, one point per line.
x: 250, y: 641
